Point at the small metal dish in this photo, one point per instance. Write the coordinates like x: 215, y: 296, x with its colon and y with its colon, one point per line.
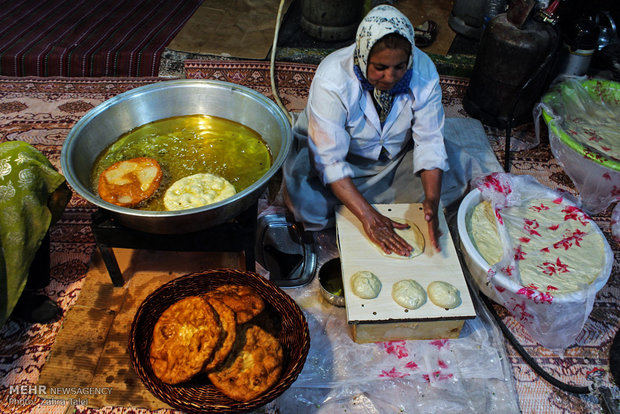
x: 330, y: 280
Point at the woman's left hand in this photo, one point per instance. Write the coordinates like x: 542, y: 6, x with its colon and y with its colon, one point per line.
x: 431, y: 182
x: 430, y: 215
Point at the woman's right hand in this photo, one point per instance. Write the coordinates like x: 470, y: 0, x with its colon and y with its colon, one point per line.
x: 378, y: 228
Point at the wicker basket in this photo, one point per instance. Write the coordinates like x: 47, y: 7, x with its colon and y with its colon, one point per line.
x: 199, y: 395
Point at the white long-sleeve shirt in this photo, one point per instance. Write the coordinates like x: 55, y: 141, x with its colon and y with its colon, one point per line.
x: 342, y: 118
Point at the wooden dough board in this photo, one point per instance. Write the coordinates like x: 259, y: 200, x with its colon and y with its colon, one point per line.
x: 429, y: 321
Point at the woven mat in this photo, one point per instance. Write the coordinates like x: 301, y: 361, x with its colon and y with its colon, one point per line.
x: 42, y: 111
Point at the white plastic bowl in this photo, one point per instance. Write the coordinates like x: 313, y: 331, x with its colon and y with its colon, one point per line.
x: 479, y: 268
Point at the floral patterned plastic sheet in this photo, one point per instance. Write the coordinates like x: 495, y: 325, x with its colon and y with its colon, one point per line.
x: 552, y: 316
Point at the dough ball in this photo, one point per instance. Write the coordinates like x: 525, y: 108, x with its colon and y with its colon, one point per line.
x: 196, y: 191
x: 365, y: 284
x: 444, y: 295
x: 408, y: 294
x: 412, y: 235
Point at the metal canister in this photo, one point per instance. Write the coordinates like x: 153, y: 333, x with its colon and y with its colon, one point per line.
x: 580, y: 41
x: 500, y: 91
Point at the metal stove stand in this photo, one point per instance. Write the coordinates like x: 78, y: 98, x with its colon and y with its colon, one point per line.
x: 237, y: 235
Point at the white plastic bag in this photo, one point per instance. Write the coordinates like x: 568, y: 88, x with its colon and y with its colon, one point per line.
x: 583, y: 117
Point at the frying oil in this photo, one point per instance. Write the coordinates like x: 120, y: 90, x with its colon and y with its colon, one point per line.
x: 191, y: 144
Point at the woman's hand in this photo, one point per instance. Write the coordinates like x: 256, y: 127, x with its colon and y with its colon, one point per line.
x: 430, y: 215
x: 431, y: 182
x: 378, y: 228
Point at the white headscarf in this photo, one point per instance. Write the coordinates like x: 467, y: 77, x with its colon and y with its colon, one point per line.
x: 380, y: 21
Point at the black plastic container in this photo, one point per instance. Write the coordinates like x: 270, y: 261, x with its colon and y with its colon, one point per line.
x: 507, y: 58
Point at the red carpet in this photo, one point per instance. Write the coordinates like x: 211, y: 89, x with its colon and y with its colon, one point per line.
x: 88, y: 37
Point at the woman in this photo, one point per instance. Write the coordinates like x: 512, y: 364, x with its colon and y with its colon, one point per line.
x: 372, y: 132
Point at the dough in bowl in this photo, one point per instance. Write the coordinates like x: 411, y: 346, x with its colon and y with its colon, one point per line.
x: 408, y: 294
x: 412, y: 235
x: 443, y: 294
x: 196, y: 191
x: 365, y: 284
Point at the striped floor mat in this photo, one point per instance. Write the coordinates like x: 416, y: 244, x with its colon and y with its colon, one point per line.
x: 88, y: 37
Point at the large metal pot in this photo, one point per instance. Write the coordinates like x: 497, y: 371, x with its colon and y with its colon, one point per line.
x: 108, y: 121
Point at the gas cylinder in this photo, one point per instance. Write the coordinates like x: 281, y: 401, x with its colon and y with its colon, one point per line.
x: 508, y: 77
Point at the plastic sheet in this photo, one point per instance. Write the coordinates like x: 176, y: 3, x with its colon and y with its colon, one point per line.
x: 470, y: 374
x: 615, y: 223
x: 553, y: 320
x: 583, y: 117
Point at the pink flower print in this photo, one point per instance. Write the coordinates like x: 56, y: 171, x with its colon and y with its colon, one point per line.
x: 527, y: 291
x: 508, y: 270
x: 544, y: 297
x: 519, y: 254
x: 551, y: 287
x: 439, y: 343
x: 558, y: 200
x: 491, y: 181
x: 550, y: 268
x: 490, y: 274
x: 411, y: 365
x: 554, y: 227
x: 393, y: 373
x: 521, y: 313
x: 574, y: 213
x: 500, y: 289
x: 545, y: 249
x: 442, y: 364
x: 569, y: 239
x: 500, y: 220
x: 438, y: 376
x: 525, y: 239
x: 530, y: 226
x: 593, y: 135
x: 604, y: 148
x: 540, y: 208
x: 607, y: 176
x: 396, y: 348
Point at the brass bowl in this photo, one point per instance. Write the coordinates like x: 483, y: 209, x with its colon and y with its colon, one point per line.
x: 330, y: 278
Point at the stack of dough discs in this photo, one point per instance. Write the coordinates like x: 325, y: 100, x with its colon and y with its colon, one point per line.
x: 408, y: 294
x: 365, y: 284
x: 196, y: 191
x: 443, y: 294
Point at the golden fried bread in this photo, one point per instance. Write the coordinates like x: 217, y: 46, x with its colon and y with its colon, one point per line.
x: 252, y: 368
x: 128, y: 183
x: 243, y: 300
x: 184, y: 339
x: 228, y: 332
